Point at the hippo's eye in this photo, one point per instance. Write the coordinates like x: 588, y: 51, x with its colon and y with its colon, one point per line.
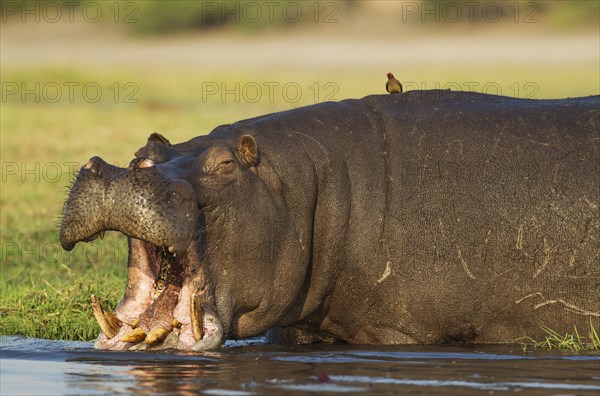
x: 225, y: 166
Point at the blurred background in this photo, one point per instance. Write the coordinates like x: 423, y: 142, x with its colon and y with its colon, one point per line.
x: 84, y: 78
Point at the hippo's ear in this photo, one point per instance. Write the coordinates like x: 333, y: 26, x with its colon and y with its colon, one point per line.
x: 248, y: 150
x: 157, y: 137
x: 158, y: 149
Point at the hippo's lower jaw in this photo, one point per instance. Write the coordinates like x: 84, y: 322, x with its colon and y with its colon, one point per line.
x: 163, y: 307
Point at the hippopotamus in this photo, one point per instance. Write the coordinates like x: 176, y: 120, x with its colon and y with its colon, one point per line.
x: 418, y: 218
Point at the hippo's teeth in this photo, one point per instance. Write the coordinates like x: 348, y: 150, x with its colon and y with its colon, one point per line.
x: 135, y: 336
x: 171, y: 249
x: 196, y: 316
x: 176, y: 323
x: 108, y: 321
x: 135, y: 323
x: 156, y: 335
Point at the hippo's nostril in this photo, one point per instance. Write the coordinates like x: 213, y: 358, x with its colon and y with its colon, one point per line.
x: 145, y: 163
x: 140, y: 163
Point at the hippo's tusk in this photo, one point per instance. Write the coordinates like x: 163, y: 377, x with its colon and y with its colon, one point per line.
x: 196, y: 316
x: 108, y: 321
x: 156, y: 335
x: 176, y: 324
x: 135, y: 323
x: 135, y: 336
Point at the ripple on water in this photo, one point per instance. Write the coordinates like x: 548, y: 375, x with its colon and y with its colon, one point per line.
x: 251, y: 367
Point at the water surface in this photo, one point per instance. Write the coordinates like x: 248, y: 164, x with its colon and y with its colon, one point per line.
x: 41, y: 367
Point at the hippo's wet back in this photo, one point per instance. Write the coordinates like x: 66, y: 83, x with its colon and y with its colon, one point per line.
x: 424, y: 217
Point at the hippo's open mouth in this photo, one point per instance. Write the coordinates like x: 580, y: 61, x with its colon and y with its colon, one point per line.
x: 168, y: 302
x: 164, y: 305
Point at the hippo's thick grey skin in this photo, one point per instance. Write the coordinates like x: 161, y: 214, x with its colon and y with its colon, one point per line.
x: 424, y: 217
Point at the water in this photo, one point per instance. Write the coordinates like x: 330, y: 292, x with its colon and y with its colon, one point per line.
x: 41, y: 367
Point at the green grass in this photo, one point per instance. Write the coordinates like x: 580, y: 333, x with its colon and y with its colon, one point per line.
x: 44, y: 291
x: 59, y: 310
x: 571, y: 342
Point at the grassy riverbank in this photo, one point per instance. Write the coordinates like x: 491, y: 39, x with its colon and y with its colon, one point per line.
x: 577, y: 341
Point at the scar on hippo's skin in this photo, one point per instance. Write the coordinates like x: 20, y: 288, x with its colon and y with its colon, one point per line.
x: 386, y: 273
x: 529, y: 295
x: 464, y: 263
x: 547, y: 251
x: 570, y: 307
x: 572, y: 258
x: 520, y: 238
x: 590, y: 203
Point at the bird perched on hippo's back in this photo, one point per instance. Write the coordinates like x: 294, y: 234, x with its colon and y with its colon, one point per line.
x: 392, y: 85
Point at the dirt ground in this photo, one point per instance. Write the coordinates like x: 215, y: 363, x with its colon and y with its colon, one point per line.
x: 88, y: 45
